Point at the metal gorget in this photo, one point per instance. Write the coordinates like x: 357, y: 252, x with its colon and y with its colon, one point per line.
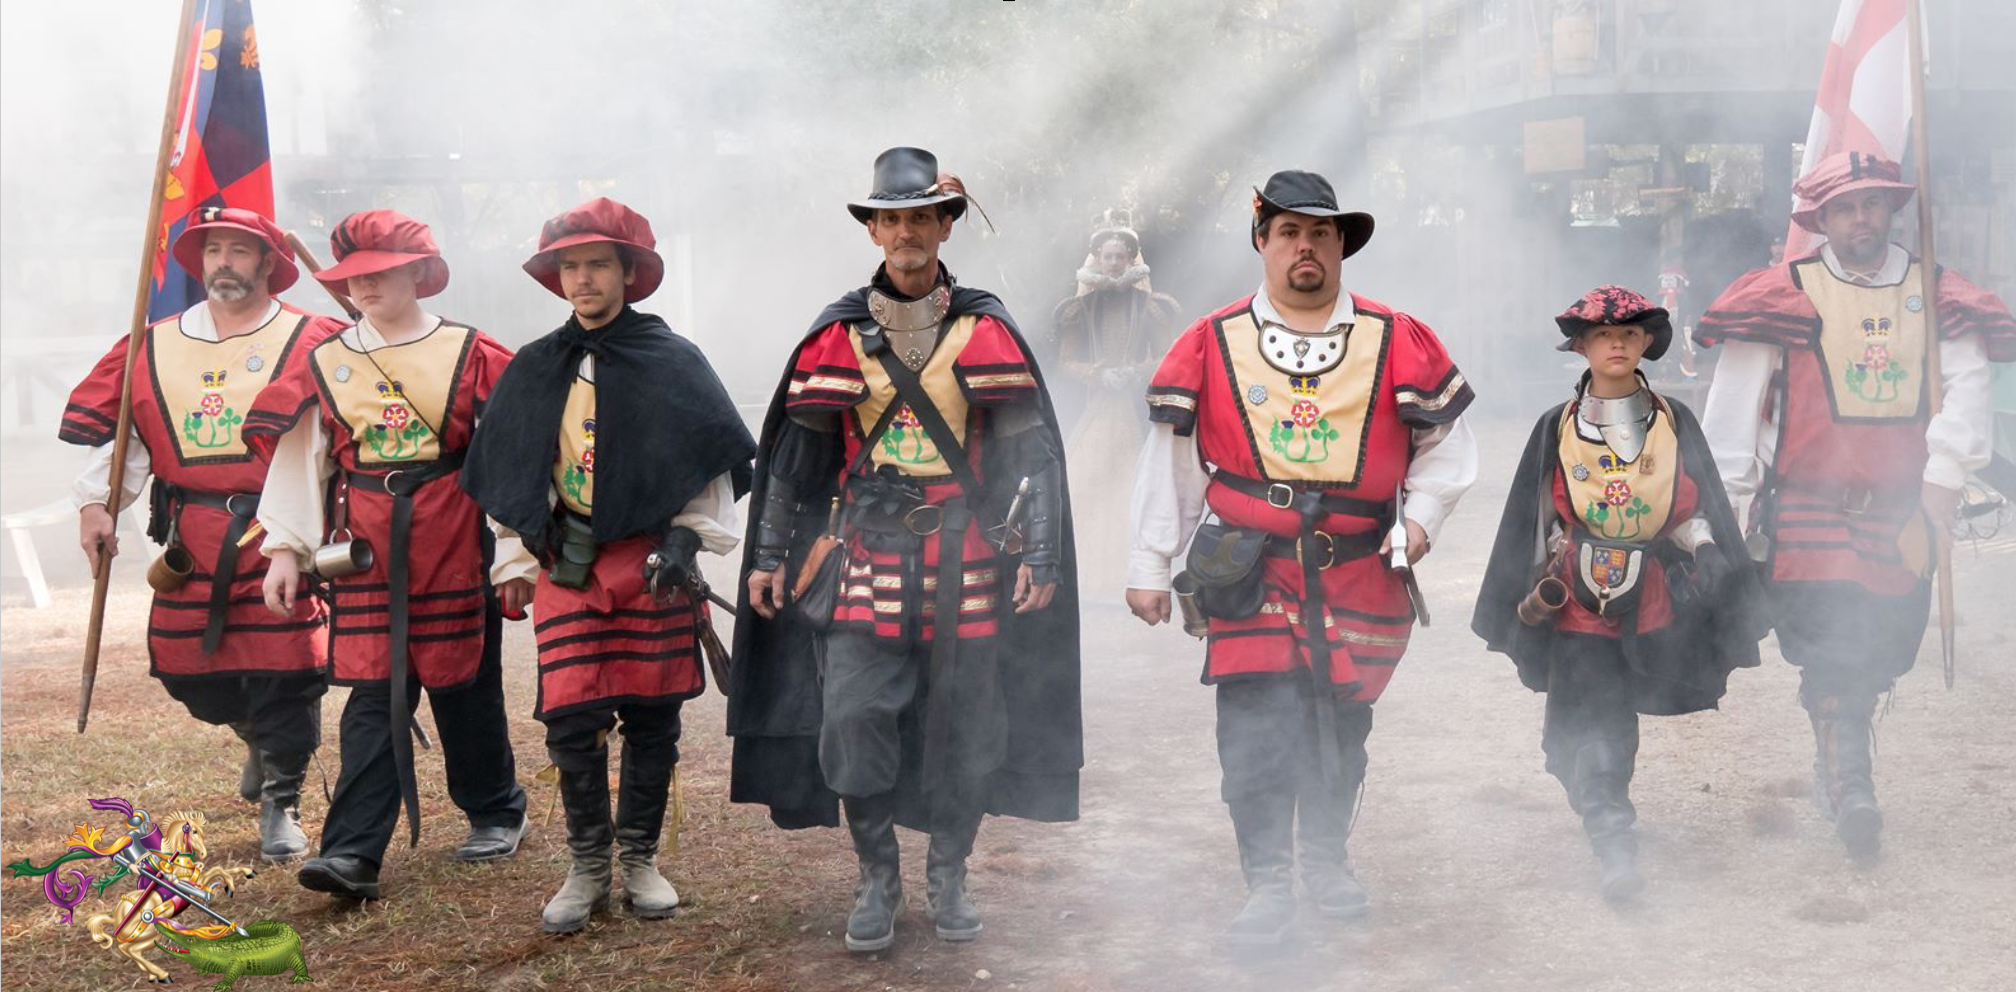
x: 911, y: 325
x: 1623, y: 422
x: 1302, y: 354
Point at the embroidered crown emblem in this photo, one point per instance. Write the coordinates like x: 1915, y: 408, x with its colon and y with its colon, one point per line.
x: 1876, y: 330
x: 1614, y: 468
x: 391, y: 391
x: 213, y: 379
x: 588, y: 430
x: 1304, y: 385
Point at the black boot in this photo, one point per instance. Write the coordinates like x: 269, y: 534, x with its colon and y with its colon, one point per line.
x: 1324, y: 847
x: 584, y: 795
x: 251, y: 778
x: 878, y: 897
x: 345, y: 875
x: 1602, y: 794
x: 952, y: 913
x: 1264, y: 825
x: 280, y: 836
x: 1844, y: 735
x: 640, y: 821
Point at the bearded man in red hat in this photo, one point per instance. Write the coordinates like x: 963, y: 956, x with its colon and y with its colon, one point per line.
x: 616, y: 491
x: 911, y: 487
x: 209, y: 641
x: 1332, y: 428
x: 365, y: 438
x: 1819, y: 421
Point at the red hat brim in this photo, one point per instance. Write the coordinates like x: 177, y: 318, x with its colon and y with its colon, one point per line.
x: 646, y: 266
x: 365, y: 261
x: 188, y: 253
x: 1808, y: 214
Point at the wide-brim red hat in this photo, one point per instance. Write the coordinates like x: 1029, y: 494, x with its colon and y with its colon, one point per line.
x: 1847, y: 172
x: 188, y: 247
x: 381, y: 240
x: 1616, y: 306
x: 599, y: 220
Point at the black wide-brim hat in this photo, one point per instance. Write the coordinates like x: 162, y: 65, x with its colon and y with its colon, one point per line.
x: 1306, y: 193
x: 905, y: 178
x: 1616, y: 305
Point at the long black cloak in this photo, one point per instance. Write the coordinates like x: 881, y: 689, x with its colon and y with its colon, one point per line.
x: 774, y: 705
x: 1680, y: 668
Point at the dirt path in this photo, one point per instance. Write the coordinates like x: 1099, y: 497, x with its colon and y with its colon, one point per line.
x: 1479, y: 874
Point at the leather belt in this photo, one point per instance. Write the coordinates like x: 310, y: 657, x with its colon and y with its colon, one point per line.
x: 401, y: 484
x: 242, y: 507
x: 1287, y: 496
x: 1325, y: 550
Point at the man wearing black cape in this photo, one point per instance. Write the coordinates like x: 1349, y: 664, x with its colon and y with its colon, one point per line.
x: 622, y: 614
x: 912, y: 426
x: 1618, y: 582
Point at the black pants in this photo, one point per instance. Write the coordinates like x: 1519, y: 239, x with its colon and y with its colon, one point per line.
x: 1846, y: 640
x: 571, y: 737
x: 871, y: 737
x: 284, y: 711
x: 1588, y: 701
x: 1267, y: 741
x: 475, y: 748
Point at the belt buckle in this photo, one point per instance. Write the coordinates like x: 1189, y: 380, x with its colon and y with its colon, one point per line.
x: 1856, y: 502
x: 234, y: 496
x: 1329, y: 549
x: 1281, y: 496
x: 931, y: 511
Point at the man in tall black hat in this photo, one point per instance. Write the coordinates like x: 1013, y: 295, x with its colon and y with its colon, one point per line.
x: 616, y: 490
x: 908, y: 636
x: 1333, y: 426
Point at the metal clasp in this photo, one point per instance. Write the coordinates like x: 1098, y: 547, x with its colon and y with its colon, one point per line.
x: 1281, y: 496
x: 234, y: 496
x: 929, y: 511
x: 1329, y: 549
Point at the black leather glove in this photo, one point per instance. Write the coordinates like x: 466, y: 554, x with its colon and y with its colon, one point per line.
x: 776, y: 525
x: 673, y: 566
x: 1712, y: 570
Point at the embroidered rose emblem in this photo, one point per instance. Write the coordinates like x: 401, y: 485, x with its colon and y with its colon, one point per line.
x: 1617, y: 493
x: 907, y: 418
x: 588, y: 461
x: 212, y: 405
x: 1305, y: 413
x: 394, y: 417
x: 1876, y: 357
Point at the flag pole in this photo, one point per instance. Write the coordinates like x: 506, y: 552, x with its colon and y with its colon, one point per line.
x: 1928, y: 292
x: 102, y: 574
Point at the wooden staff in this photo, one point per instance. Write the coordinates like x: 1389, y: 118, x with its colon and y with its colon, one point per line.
x: 101, y: 575
x: 309, y: 262
x: 1928, y: 291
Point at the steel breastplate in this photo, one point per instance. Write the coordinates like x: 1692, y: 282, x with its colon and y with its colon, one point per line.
x: 912, y: 326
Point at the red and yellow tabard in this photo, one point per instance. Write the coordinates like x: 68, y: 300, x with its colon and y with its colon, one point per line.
x: 1597, y: 493
x: 1871, y: 344
x: 1345, y: 427
x: 904, y: 445
x: 403, y: 405
x: 191, y: 398
x: 393, y: 399
x: 574, y: 470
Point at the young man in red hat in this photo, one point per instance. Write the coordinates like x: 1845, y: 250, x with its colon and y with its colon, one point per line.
x: 1818, y: 417
x: 1333, y: 425
x: 616, y: 490
x: 928, y: 675
x: 387, y: 408
x: 1617, y: 582
x: 209, y: 641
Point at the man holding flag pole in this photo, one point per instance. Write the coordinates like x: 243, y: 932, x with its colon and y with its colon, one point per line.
x: 1849, y: 406
x: 207, y: 335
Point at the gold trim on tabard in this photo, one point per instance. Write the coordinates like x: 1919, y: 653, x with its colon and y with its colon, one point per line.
x: 904, y: 444
x: 1618, y: 500
x: 574, y: 470
x: 1871, y: 344
x: 1306, y: 428
x: 379, y: 409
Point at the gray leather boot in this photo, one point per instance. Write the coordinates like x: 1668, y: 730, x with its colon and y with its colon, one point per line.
x: 280, y: 836
x: 251, y: 778
x: 1844, y: 736
x: 878, y: 896
x: 640, y: 822
x: 1264, y: 825
x: 584, y: 795
x: 952, y: 914
x: 1602, y: 795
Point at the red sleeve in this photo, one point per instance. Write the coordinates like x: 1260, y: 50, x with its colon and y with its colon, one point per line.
x: 92, y: 414
x: 487, y: 358
x: 992, y: 369
x: 1428, y: 389
x: 290, y: 394
x: 1965, y: 308
x: 826, y: 378
x: 1179, y: 380
x: 1765, y: 306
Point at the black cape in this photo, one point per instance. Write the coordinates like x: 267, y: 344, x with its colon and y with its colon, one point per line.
x: 774, y: 706
x: 662, y: 417
x: 1681, y: 668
